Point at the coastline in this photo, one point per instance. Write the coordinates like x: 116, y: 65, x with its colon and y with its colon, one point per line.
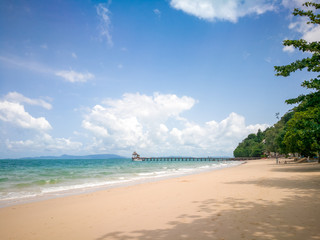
x: 256, y: 200
x: 142, y: 176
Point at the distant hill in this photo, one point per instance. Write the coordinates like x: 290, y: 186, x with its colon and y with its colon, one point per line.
x: 96, y: 156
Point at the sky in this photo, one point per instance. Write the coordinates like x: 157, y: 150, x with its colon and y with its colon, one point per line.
x: 160, y: 77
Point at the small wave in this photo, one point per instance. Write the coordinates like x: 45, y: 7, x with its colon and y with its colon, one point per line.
x: 186, y: 169
x: 146, y: 174
x: 23, y: 185
x: 205, y: 167
x: 45, y: 182
x: 17, y: 195
x: 4, y: 179
x: 82, y: 186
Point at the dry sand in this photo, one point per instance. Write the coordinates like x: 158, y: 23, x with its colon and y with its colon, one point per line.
x: 257, y: 200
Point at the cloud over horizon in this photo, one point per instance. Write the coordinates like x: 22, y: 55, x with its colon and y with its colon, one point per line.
x: 12, y: 111
x: 33, y: 131
x: 154, y: 125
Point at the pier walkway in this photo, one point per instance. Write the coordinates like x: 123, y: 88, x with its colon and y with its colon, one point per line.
x: 136, y: 157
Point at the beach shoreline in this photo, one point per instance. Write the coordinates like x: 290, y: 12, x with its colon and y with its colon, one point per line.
x: 256, y: 200
x: 147, y: 177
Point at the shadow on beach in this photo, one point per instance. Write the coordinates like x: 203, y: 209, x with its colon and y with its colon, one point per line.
x: 298, y: 167
x: 247, y: 220
x: 294, y: 217
x: 300, y: 185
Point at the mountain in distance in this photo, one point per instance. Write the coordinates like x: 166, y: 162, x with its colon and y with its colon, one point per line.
x: 95, y: 156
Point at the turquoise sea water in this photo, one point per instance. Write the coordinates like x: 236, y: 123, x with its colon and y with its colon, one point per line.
x: 22, y: 180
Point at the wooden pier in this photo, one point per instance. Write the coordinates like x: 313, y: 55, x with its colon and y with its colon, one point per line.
x: 136, y: 157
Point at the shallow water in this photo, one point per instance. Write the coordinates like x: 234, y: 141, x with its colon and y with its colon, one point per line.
x: 26, y: 179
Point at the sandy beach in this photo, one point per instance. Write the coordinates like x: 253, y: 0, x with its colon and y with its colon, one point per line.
x: 256, y: 200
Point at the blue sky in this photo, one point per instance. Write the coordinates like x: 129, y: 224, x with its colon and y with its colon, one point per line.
x: 167, y: 77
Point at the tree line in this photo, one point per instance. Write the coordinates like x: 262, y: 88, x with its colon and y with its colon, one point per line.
x: 298, y: 131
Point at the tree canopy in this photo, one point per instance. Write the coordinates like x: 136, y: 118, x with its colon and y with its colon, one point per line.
x: 312, y: 64
x: 252, y: 146
x: 298, y: 131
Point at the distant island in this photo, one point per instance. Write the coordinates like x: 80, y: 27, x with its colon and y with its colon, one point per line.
x: 95, y: 156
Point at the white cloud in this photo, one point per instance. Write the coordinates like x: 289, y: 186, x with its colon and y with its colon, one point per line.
x: 268, y: 59
x: 44, y: 142
x: 311, y: 34
x: 74, y: 55
x: 97, y: 130
x: 229, y: 10
x: 291, y: 4
x: 153, y: 125
x: 157, y: 12
x: 105, y: 22
x: 32, y: 66
x: 68, y: 75
x: 72, y: 76
x: 289, y: 49
x: 19, y: 98
x: 33, y: 130
x: 308, y: 32
x: 15, y: 113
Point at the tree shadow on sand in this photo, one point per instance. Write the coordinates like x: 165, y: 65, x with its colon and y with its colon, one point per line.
x: 290, y: 219
x: 300, y: 184
x: 296, y: 167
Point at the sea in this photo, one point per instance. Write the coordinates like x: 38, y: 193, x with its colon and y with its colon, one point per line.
x: 25, y: 180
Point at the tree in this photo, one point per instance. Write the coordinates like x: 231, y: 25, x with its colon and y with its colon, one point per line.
x: 274, y: 135
x: 312, y: 64
x: 302, y: 130
x: 252, y: 146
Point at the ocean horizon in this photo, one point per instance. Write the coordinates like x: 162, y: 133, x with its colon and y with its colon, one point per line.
x: 23, y: 180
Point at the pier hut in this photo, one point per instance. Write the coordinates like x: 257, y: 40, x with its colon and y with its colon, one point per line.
x: 136, y: 157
